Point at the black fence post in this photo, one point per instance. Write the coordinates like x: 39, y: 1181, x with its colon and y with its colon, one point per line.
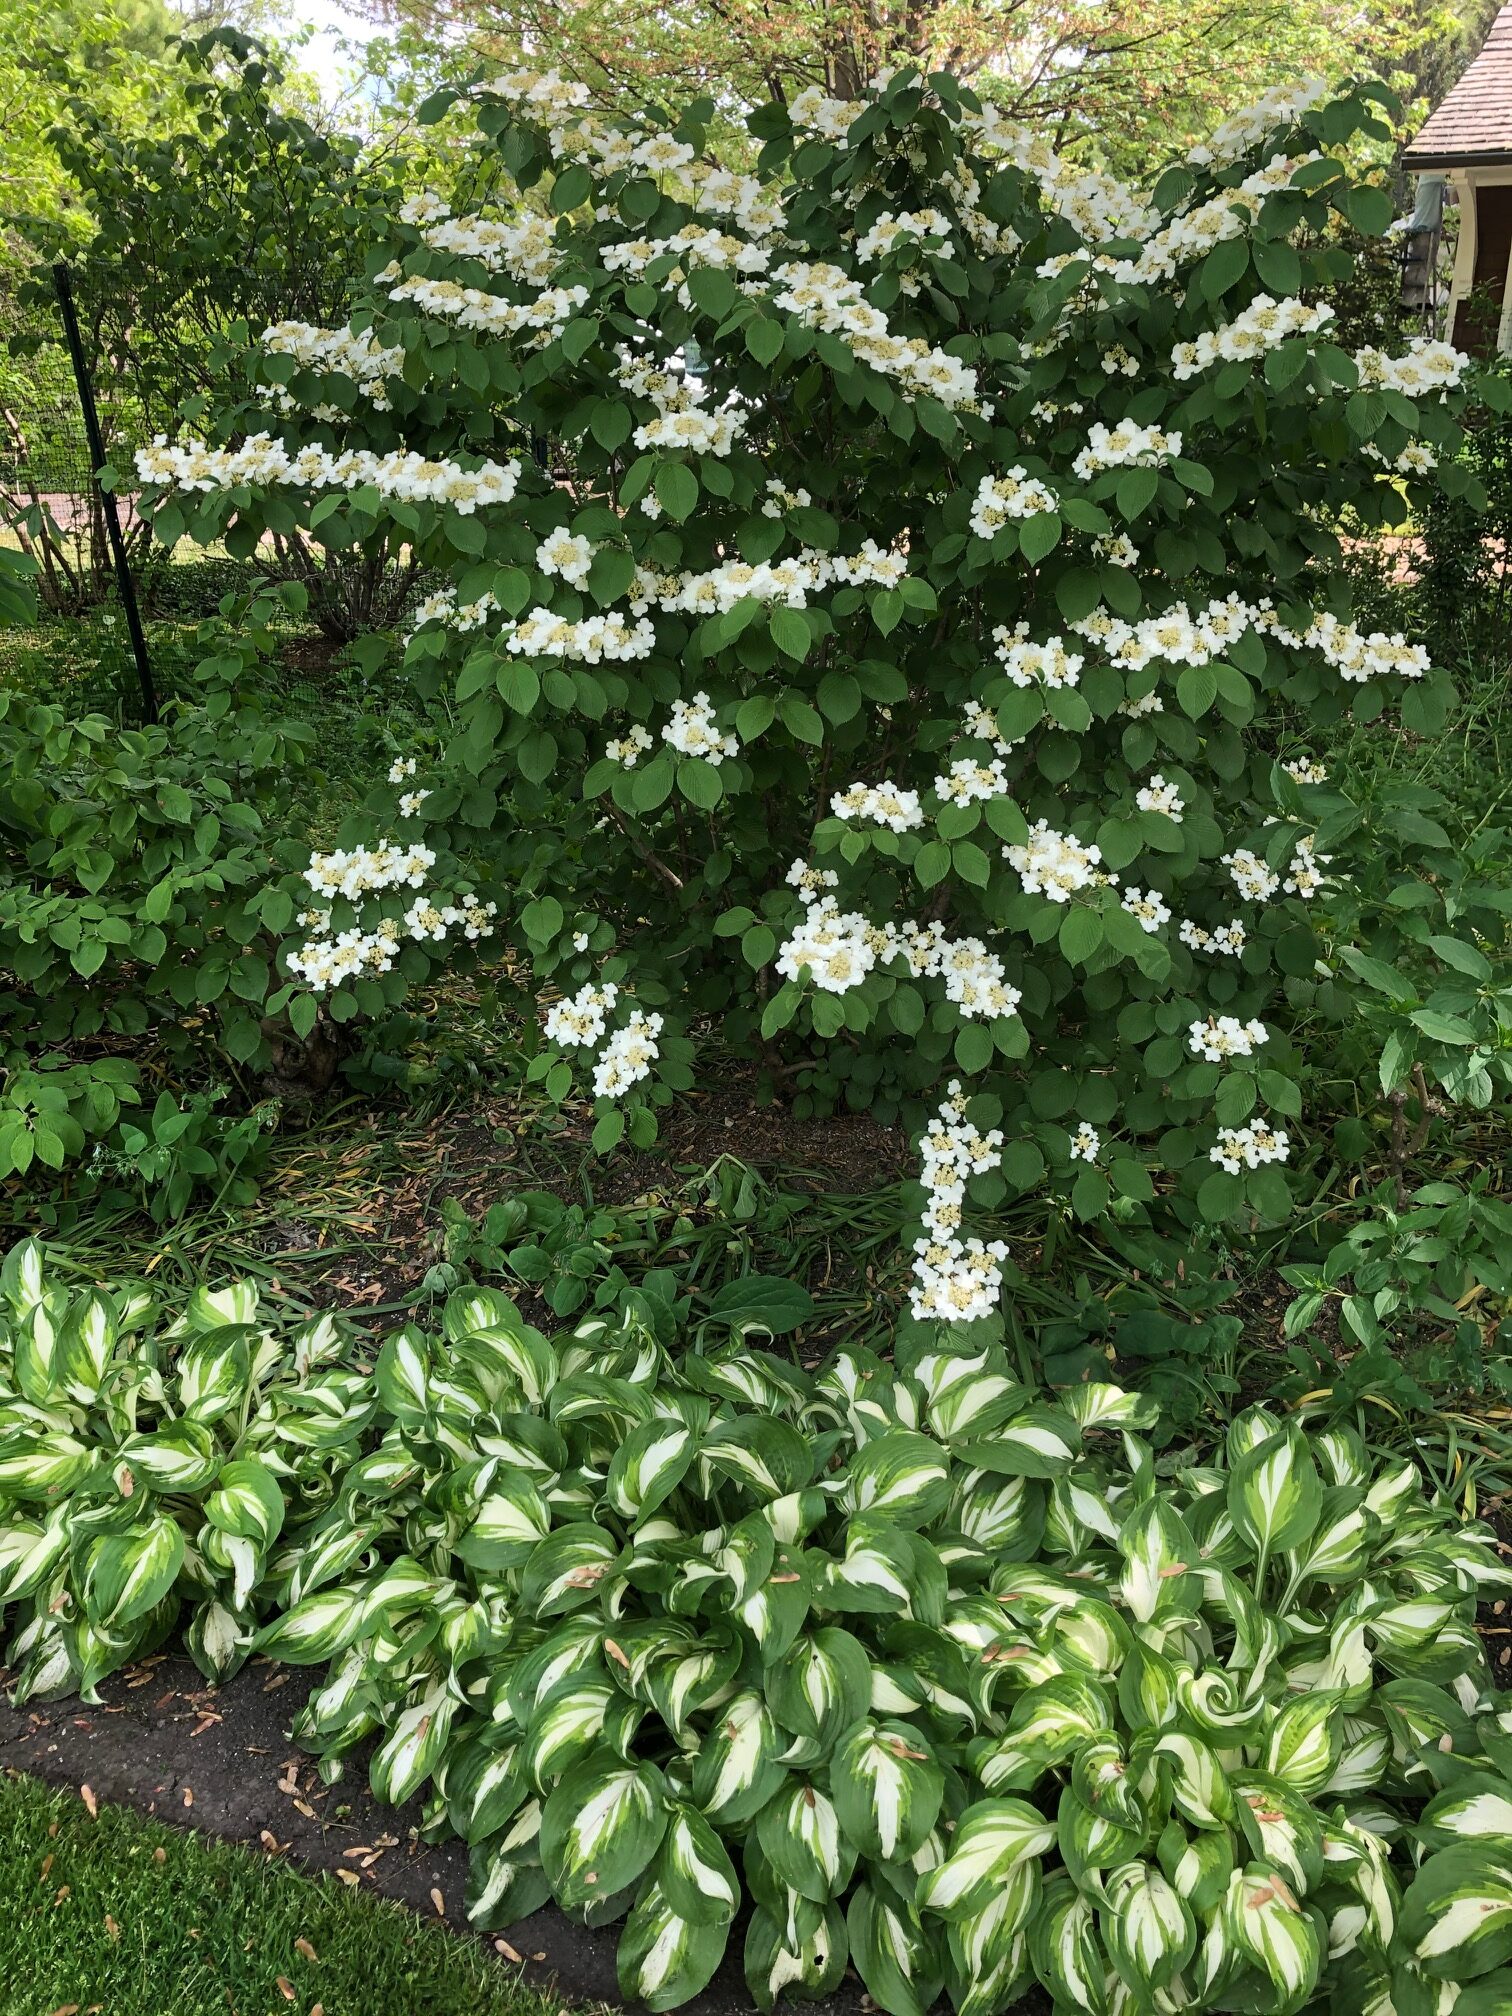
x: 64, y: 286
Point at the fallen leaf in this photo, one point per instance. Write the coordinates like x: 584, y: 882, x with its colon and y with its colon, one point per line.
x: 160, y: 1854
x: 64, y: 1890
x: 317, y: 2009
x: 66, y: 2009
x: 188, y: 1796
x: 440, y: 1903
x: 269, y: 1841
x: 91, y: 1804
x: 304, y: 1947
x: 349, y: 1877
x: 503, y: 1946
x: 111, y: 1926
x: 47, y: 1862
x: 284, y: 1988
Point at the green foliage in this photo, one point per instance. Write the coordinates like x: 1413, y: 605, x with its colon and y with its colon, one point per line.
x: 952, y: 1683
x: 668, y: 877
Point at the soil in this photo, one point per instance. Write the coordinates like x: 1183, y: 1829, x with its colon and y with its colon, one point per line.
x: 219, y: 1761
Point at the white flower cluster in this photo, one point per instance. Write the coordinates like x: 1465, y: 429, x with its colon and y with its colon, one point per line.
x: 1248, y: 1147
x: 628, y: 749
x: 825, y: 297
x: 324, y: 961
x: 1147, y: 907
x: 1086, y: 1142
x: 596, y: 640
x: 1116, y: 548
x: 1223, y: 1036
x: 1229, y: 939
x: 368, y: 363
x: 1263, y: 325
x: 1191, y: 234
x: 1304, y: 874
x: 780, y: 499
x: 811, y: 882
x: 955, y: 1280
x: 1159, y: 796
x: 1283, y: 105
x: 1255, y: 880
x: 839, y: 947
x: 1119, y: 362
x: 1416, y: 459
x: 968, y: 782
x: 444, y: 608
x: 541, y: 318
x: 1306, y: 771
x: 692, y: 731
x: 524, y: 249
x: 1031, y: 664
x: 789, y: 582
x: 930, y: 228
x: 884, y: 804
x: 694, y: 247
x: 1015, y: 494
x: 703, y: 433
x: 1176, y: 636
x: 194, y: 465
x: 567, y: 554
x: 1425, y: 366
x: 1053, y: 864
x: 1352, y: 654
x: 982, y: 723
x: 628, y: 1056
x: 579, y: 1021
x: 1126, y: 446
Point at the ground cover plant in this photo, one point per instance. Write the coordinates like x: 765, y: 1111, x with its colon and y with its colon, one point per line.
x: 974, y: 1693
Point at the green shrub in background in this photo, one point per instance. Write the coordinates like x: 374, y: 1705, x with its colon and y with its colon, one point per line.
x: 134, y: 906
x: 951, y: 1683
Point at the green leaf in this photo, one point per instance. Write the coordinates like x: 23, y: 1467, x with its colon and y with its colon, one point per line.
x: 887, y: 1788
x: 600, y: 1828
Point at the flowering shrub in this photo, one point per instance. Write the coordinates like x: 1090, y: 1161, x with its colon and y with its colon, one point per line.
x: 944, y: 1680
x: 897, y: 667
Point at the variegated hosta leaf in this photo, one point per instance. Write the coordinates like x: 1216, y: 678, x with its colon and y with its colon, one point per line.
x: 1102, y: 1406
x: 890, y: 1949
x: 213, y: 1373
x: 85, y: 1343
x: 1036, y: 1442
x: 504, y: 1885
x: 577, y: 1715
x: 887, y: 1789
x: 482, y: 1783
x: 177, y: 1456
x: 210, y: 1308
x: 1216, y: 1703
x: 1066, y: 1951
x: 821, y: 1688
x: 601, y: 1827
x: 777, y: 1611
x: 901, y: 1478
x: 314, y: 1630
x: 1341, y: 1546
x: 218, y: 1640
x: 991, y: 1838
x: 967, y: 1398
x: 22, y: 1276
x: 1050, y: 1722
x: 29, y: 1552
x: 688, y: 1681
x: 737, y: 1770
x: 1364, y: 1753
x: 1199, y: 1865
x: 247, y: 1502
x: 414, y: 1747
x: 1159, y: 1555
x: 1267, y: 1923
x: 648, y: 1466
x: 694, y: 1868
x: 1199, y: 1785
x: 1477, y: 1808
x: 1003, y: 1514
x: 768, y: 1457
x: 805, y: 1960
x: 1302, y: 1746
x: 1274, y: 1496
x: 886, y: 1572
x: 800, y: 1834
x: 511, y: 1521
x: 42, y: 1466
x: 1489, y: 1996
x: 664, y: 1958
x: 1457, y: 1915
x: 129, y: 1573
x: 988, y: 1953
x: 1147, y: 1689
x: 1088, y: 1842
x: 566, y: 1569
x: 1147, y: 1927
x: 1282, y: 1826
x: 1100, y: 1779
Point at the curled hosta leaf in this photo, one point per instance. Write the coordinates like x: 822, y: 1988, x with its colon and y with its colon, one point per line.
x: 991, y: 1838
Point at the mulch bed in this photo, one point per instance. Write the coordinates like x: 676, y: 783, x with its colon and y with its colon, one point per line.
x: 219, y: 1760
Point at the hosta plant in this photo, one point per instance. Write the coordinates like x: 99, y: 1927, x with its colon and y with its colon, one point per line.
x: 897, y: 652
x: 149, y: 1460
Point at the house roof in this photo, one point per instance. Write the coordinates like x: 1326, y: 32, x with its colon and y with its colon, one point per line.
x: 1473, y: 126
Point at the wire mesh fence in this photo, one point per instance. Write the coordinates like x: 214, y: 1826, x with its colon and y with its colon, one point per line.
x: 79, y: 651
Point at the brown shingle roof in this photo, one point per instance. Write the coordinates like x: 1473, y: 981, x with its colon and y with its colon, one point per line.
x: 1474, y: 123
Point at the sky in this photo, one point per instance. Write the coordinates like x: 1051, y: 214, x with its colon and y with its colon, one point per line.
x: 331, y: 24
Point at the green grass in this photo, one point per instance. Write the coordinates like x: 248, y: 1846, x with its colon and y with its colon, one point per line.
x: 130, y: 1916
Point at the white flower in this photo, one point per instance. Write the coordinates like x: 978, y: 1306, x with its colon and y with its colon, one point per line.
x: 628, y: 1056
x: 565, y: 554
x: 1252, y: 878
x: 1147, y: 908
x: 692, y: 731
x: 1248, y: 1147
x: 1053, y: 864
x: 1085, y: 1143
x: 1159, y: 796
x: 1222, y: 1036
x: 579, y: 1021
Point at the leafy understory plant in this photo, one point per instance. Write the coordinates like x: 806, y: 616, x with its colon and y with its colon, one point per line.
x: 897, y: 674
x: 943, y: 1681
